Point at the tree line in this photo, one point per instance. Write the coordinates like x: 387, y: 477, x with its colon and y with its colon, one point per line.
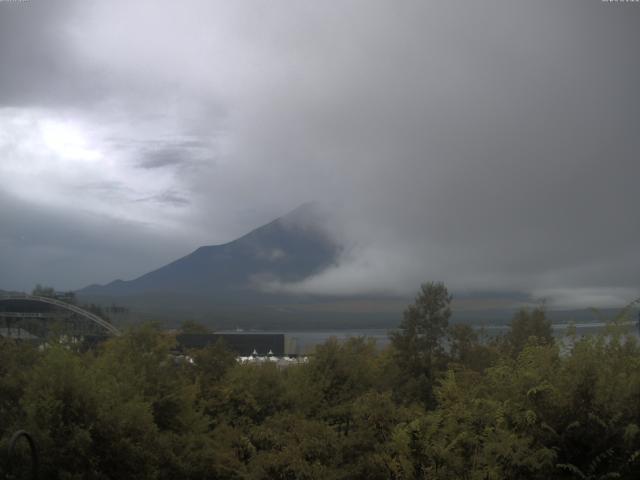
x: 438, y: 403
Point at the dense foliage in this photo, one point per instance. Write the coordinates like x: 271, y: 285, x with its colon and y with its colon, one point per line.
x: 437, y: 403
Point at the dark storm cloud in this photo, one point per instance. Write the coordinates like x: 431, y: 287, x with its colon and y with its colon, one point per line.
x: 489, y: 144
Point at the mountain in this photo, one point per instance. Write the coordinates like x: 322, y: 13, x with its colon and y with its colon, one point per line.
x: 287, y: 249
x: 228, y: 285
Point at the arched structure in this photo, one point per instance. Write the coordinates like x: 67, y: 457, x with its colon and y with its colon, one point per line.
x: 60, y: 304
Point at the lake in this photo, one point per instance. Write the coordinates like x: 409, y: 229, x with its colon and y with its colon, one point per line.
x: 307, y: 339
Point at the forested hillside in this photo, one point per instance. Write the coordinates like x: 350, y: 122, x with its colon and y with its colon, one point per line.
x: 439, y: 403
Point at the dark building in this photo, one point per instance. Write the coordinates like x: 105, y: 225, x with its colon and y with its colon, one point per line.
x: 243, y: 344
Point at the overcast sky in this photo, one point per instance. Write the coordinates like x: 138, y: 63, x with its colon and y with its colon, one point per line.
x: 490, y: 144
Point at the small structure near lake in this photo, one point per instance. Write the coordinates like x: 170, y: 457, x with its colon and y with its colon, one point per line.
x: 243, y: 344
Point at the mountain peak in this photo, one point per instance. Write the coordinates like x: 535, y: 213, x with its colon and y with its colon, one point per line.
x: 288, y: 249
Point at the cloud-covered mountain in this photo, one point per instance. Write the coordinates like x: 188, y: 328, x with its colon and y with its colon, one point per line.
x: 286, y: 250
x: 247, y: 282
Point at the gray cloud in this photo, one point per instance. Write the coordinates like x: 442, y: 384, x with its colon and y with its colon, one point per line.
x: 37, y: 68
x: 162, y: 158
x: 489, y: 144
x: 169, y: 197
x: 187, y: 154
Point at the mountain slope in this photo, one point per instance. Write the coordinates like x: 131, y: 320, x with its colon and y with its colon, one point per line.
x: 288, y: 249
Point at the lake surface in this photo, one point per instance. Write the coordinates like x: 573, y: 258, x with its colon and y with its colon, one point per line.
x: 307, y: 339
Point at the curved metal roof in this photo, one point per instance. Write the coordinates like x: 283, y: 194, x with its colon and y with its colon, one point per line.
x: 67, y: 306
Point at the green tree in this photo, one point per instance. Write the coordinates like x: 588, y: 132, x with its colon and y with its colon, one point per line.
x: 289, y: 446
x: 418, y: 341
x: 466, y: 349
x: 529, y: 326
x: 191, y: 326
x: 85, y: 423
x: 251, y: 394
x: 210, y: 366
x: 339, y: 373
x: 143, y: 366
x: 43, y: 291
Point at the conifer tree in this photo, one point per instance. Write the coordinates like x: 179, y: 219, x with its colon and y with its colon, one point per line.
x: 418, y: 341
